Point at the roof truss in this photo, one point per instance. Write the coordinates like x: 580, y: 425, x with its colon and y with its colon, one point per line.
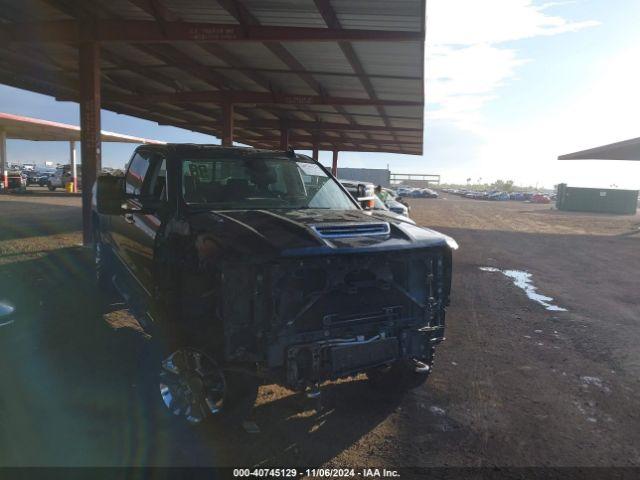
x: 288, y: 92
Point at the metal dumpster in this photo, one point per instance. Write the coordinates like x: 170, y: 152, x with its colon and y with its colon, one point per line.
x: 599, y: 200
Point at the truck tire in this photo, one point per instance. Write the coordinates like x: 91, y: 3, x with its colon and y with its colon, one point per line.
x: 51, y: 187
x: 188, y: 397
x: 403, y: 375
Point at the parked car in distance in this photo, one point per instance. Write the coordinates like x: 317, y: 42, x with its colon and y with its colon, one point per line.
x: 499, y: 196
x: 43, y: 177
x: 476, y: 195
x: 62, y: 176
x: 32, y: 177
x: 16, y: 181
x: 363, y: 192
x: 403, y: 191
x: 39, y: 177
x: 423, y: 193
x: 540, y: 198
x: 390, y: 192
x: 381, y: 208
x: 397, y: 206
x: 245, y: 265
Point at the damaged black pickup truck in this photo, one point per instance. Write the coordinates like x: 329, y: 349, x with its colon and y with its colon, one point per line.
x: 247, y: 266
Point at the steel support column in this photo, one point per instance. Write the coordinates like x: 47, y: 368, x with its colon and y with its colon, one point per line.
x: 334, y: 165
x: 3, y: 159
x: 284, y: 138
x: 91, y: 148
x: 73, y: 160
x: 314, y: 153
x: 227, y: 124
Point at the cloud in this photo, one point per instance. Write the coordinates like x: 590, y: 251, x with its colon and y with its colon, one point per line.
x: 470, y: 22
x: 603, y: 111
x: 466, y: 61
x: 460, y: 81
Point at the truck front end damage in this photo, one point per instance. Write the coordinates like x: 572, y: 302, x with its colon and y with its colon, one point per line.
x: 310, y: 319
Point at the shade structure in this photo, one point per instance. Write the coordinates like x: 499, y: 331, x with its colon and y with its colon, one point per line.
x: 625, y: 150
x: 27, y: 128
x: 342, y: 75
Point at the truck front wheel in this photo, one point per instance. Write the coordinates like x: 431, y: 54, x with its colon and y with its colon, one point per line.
x: 191, y: 387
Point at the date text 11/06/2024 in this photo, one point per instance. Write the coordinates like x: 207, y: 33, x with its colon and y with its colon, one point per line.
x: 315, y: 473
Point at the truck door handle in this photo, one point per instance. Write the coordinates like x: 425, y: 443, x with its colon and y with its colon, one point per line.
x: 128, y: 217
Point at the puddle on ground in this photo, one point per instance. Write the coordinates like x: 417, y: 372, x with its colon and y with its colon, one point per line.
x: 522, y: 279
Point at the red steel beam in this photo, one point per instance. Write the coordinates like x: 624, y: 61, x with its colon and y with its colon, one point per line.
x: 145, y: 31
x: 172, y: 56
x: 251, y: 70
x: 310, y: 139
x: 156, y: 9
x: 235, y: 96
x: 314, y: 113
x: 163, y: 14
x: 284, y: 138
x: 227, y: 127
x: 315, y: 126
x: 375, y: 141
x: 334, y: 164
x: 347, y: 148
x: 89, y: 59
x: 331, y: 19
x: 246, y: 19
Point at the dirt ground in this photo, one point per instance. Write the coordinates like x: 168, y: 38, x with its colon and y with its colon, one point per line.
x: 514, y: 384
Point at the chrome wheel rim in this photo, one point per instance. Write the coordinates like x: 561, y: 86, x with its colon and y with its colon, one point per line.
x: 191, y: 385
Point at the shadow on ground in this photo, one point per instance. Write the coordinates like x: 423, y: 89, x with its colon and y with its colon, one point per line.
x: 44, y: 192
x: 24, y: 219
x: 71, y: 394
x: 507, y: 389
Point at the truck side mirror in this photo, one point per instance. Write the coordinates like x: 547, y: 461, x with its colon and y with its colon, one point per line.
x: 110, y: 194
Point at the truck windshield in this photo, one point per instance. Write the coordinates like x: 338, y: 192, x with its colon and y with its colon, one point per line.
x: 260, y: 183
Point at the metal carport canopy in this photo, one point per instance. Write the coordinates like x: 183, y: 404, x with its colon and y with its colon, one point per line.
x: 339, y: 75
x: 626, y: 150
x: 16, y: 127
x: 329, y: 74
x: 27, y: 128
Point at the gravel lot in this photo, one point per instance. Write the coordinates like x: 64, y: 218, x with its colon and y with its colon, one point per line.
x: 514, y: 384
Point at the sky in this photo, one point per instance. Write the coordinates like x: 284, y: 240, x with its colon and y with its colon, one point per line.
x: 510, y: 85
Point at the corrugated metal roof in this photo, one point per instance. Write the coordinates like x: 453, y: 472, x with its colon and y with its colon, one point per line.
x: 380, y: 72
x: 625, y: 150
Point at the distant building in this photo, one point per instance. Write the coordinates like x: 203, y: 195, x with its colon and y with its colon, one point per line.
x: 377, y: 176
x: 417, y: 180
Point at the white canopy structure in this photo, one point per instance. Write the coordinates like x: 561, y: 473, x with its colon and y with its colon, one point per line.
x: 27, y: 128
x: 626, y: 150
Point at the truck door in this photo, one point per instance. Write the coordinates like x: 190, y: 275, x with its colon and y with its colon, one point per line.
x: 135, y: 232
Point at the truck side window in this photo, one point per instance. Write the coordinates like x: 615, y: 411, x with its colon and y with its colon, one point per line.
x: 135, y: 175
x: 155, y: 186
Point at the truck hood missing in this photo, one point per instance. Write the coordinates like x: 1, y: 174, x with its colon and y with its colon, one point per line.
x: 310, y: 232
